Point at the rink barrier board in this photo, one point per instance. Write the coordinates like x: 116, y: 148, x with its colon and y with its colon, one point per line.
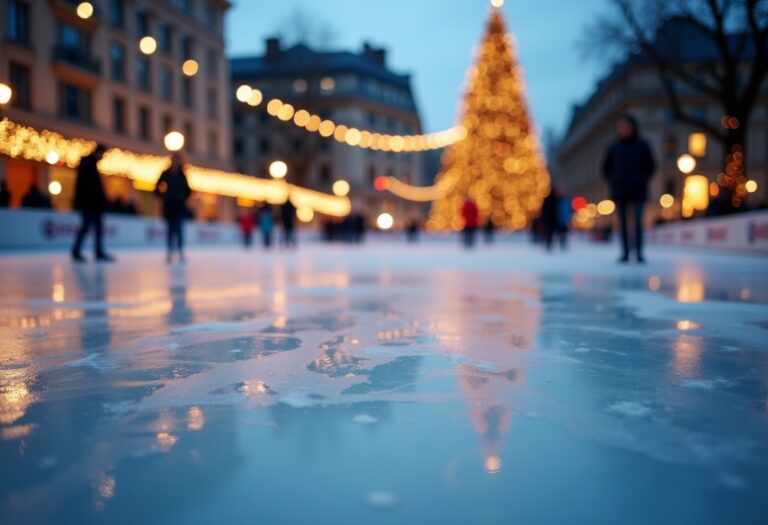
x: 747, y: 232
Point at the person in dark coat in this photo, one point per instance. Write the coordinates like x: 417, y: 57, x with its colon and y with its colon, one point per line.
x: 35, y: 198
x: 91, y: 201
x: 288, y: 220
x: 5, y: 195
x: 628, y: 167
x: 550, y: 212
x: 173, y: 189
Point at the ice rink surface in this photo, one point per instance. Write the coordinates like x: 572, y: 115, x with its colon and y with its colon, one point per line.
x: 385, y: 384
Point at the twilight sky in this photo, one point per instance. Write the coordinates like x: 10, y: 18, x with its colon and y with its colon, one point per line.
x: 433, y: 40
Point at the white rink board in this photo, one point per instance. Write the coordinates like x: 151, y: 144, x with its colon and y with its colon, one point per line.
x: 747, y: 232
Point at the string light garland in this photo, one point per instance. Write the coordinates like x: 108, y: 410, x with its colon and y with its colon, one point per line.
x: 24, y: 142
x: 360, y: 138
x: 499, y: 164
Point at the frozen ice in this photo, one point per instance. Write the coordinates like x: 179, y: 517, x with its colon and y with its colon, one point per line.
x: 325, y: 384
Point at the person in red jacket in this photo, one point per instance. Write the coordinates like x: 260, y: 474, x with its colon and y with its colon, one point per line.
x: 471, y: 216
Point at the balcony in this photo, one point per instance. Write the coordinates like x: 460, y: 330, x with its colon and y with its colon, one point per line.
x: 76, y: 57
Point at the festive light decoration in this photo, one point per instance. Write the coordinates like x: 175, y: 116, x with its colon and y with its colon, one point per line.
x: 499, y: 163
x: 5, y: 93
x: 305, y: 214
x: 751, y: 186
x: 190, y: 67
x: 278, y: 169
x: 667, y: 200
x: 697, y: 144
x: 606, y: 207
x: 17, y: 141
x: 365, y: 139
x: 686, y: 164
x: 695, y: 193
x: 341, y: 188
x: 578, y: 203
x: 54, y: 187
x: 84, y: 10
x: 147, y: 45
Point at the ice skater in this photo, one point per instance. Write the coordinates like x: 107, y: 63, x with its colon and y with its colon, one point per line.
x: 91, y: 201
x: 173, y: 189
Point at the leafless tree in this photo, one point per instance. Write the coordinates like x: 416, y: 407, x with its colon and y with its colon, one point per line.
x: 736, y: 29
x: 308, y: 28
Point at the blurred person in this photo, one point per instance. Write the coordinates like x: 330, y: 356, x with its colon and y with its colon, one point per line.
x: 246, y: 221
x: 91, y: 201
x: 288, y: 220
x: 412, y: 231
x: 5, y: 195
x: 550, y: 211
x: 358, y: 228
x: 471, y: 216
x: 489, y: 231
x: 266, y: 224
x: 628, y: 167
x: 173, y: 189
x: 35, y: 198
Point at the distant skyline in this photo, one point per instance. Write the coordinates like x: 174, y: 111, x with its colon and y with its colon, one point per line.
x: 434, y: 41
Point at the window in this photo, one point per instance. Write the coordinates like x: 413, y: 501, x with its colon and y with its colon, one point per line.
x: 189, y: 136
x: 142, y: 23
x: 19, y: 77
x: 74, y: 102
x: 166, y: 38
x: 213, y: 104
x: 145, y: 127
x: 73, y: 40
x: 187, y: 92
x: 237, y: 147
x: 213, y: 144
x: 166, y: 83
x: 143, y: 77
x: 167, y: 123
x: 264, y: 145
x: 18, y: 21
x: 117, y: 61
x: 187, y: 48
x: 298, y: 145
x: 117, y: 13
x: 212, y: 63
x: 211, y: 18
x: 118, y: 115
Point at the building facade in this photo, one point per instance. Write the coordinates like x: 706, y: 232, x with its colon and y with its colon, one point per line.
x: 634, y: 87
x: 354, y: 89
x: 85, y: 70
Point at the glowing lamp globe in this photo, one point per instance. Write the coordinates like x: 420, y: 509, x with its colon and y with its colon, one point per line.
x: 85, y: 10
x: 385, y: 221
x: 5, y: 93
x: 278, y: 169
x: 190, y: 67
x: 54, y: 187
x: 686, y: 164
x: 174, y: 141
x: 341, y: 188
x: 243, y: 93
x: 147, y: 45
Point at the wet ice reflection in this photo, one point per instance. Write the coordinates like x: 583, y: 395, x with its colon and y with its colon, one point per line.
x: 314, y: 375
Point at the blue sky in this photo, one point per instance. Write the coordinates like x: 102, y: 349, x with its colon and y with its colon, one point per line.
x: 434, y: 40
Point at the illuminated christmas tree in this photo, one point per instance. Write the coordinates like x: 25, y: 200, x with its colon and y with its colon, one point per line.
x: 499, y: 164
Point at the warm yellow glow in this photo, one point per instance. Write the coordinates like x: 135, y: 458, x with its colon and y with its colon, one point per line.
x: 497, y: 3
x: 195, y: 419
x: 687, y: 325
x: 697, y: 144
x: 255, y: 98
x: 243, y: 93
x: 714, y: 189
x: 190, y: 67
x: 686, y: 164
x: 85, y: 10
x: 148, y: 45
x: 417, y: 193
x: 305, y: 214
x: 278, y: 169
x: 385, y: 221
x: 274, y: 106
x: 696, y: 192
x: 328, y: 84
x: 286, y: 112
x: 341, y: 188
x: 493, y: 463
x: 54, y: 187
x: 353, y: 137
x: 751, y: 186
x: 606, y: 207
x: 23, y: 142
x: 174, y: 141
x: 52, y: 158
x: 654, y: 283
x: 667, y: 201
x: 327, y: 128
x: 301, y: 118
x: 495, y: 155
x: 5, y: 93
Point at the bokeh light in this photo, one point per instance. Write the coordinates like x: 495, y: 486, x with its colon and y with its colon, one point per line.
x: 174, y: 141
x: 385, y: 221
x: 341, y: 188
x: 278, y: 169
x: 147, y: 45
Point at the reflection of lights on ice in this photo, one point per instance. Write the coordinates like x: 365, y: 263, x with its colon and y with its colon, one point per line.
x: 57, y: 295
x: 195, y: 419
x: 166, y: 439
x: 654, y: 283
x: 493, y: 464
x: 687, y: 325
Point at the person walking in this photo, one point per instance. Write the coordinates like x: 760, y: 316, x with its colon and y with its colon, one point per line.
x: 288, y: 220
x: 173, y: 189
x: 471, y: 216
x: 550, y: 210
x: 91, y: 201
x: 246, y: 220
x: 266, y: 224
x: 628, y: 167
x: 35, y: 198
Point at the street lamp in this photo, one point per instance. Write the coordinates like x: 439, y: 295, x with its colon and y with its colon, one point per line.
x: 85, y: 10
x: 5, y: 94
x: 385, y: 221
x: 278, y: 169
x: 686, y: 164
x: 341, y: 188
x: 174, y: 141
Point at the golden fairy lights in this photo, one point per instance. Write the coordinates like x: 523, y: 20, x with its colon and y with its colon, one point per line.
x: 499, y: 164
x: 24, y: 142
x: 351, y: 136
